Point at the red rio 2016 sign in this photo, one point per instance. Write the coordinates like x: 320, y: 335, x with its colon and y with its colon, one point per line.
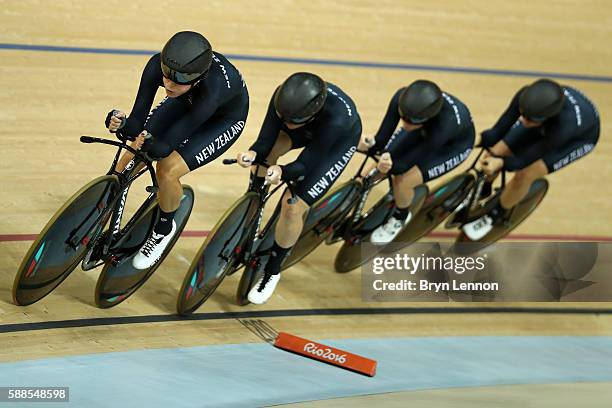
x: 327, y: 354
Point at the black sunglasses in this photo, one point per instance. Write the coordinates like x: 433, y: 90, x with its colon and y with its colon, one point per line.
x: 296, y: 121
x: 181, y: 78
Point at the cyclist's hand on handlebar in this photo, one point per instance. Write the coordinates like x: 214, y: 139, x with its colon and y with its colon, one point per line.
x: 365, y: 143
x: 485, y: 155
x: 274, y: 173
x: 385, y: 163
x: 246, y: 159
x: 139, y: 141
x: 492, y: 165
x: 115, y: 120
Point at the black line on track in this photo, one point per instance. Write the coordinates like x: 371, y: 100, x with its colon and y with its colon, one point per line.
x: 108, y: 321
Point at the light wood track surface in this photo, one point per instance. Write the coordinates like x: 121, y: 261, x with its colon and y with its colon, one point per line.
x: 49, y: 99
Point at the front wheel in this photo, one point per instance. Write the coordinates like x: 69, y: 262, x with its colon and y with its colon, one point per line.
x: 218, y: 255
x: 63, y: 242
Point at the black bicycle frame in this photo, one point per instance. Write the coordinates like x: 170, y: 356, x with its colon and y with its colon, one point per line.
x: 473, y: 196
x: 117, y: 205
x: 367, y: 186
x: 253, y: 230
x: 369, y: 182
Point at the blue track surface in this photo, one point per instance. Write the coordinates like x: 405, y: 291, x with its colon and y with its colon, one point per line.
x: 245, y: 375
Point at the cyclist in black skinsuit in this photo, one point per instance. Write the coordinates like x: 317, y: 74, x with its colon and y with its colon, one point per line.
x: 546, y: 127
x: 202, y: 115
x: 304, y: 112
x: 436, y: 135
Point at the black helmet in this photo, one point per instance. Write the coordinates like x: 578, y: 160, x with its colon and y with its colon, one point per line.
x: 420, y: 101
x: 541, y: 100
x: 300, y: 97
x: 186, y: 57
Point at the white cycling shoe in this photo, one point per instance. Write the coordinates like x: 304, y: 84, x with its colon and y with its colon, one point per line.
x: 476, y: 230
x: 389, y: 230
x: 153, y: 249
x: 263, y: 289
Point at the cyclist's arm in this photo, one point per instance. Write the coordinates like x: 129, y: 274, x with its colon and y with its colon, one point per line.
x: 204, y: 106
x: 388, y: 124
x: 528, y: 156
x: 435, y: 139
x: 268, y: 133
x: 149, y: 83
x: 312, y: 154
x: 504, y: 123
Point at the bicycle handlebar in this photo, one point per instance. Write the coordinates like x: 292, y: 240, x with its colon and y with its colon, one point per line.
x: 123, y: 145
x: 368, y: 155
x: 88, y: 139
x: 290, y: 184
x: 234, y: 161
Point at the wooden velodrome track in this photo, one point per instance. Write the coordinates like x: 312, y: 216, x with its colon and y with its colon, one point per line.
x: 48, y: 99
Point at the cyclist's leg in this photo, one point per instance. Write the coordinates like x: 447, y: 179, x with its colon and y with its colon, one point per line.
x: 404, y: 184
x: 317, y: 182
x: 206, y: 144
x: 519, y: 184
x: 513, y: 193
x: 291, y: 221
x: 288, y: 229
x: 169, y: 172
x: 403, y: 193
x: 125, y: 159
x: 426, y: 169
x: 518, y: 187
x: 405, y: 175
x: 516, y: 141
